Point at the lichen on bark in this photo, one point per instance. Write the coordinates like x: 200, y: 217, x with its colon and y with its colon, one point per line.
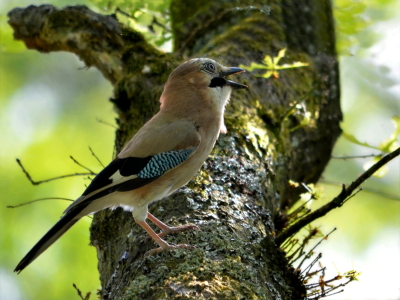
x: 238, y: 197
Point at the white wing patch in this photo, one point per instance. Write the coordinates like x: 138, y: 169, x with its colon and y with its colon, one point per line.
x: 117, y: 178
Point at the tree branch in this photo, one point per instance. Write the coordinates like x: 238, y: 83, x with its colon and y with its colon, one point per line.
x: 96, y: 39
x: 337, y: 201
x: 357, y: 156
x: 37, y: 200
x: 250, y: 166
x: 54, y: 178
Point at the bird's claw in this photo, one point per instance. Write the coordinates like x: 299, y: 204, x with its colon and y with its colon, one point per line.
x: 173, y: 230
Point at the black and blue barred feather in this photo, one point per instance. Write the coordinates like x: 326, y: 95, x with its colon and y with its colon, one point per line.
x: 147, y: 169
x: 126, y: 166
x: 162, y: 162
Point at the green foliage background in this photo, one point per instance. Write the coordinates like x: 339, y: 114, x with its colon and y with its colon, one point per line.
x: 50, y: 107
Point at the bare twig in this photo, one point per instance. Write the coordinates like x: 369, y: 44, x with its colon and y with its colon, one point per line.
x: 106, y: 123
x: 351, y: 196
x: 37, y: 200
x: 302, y: 210
x: 313, y: 232
x: 326, y: 287
x: 95, y: 156
x: 44, y: 199
x: 367, y: 190
x: 337, y: 201
x: 118, y: 10
x: 50, y: 179
x: 307, y: 188
x: 313, y: 248
x: 82, y: 166
x: 87, y: 296
x: 310, y: 266
x: 294, y: 216
x: 358, y: 156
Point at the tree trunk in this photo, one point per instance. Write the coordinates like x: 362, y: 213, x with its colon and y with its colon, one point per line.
x: 280, y: 129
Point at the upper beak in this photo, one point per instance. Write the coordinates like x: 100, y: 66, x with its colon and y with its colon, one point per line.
x: 230, y: 71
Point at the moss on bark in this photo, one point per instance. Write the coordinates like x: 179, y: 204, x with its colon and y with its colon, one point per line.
x: 279, y: 130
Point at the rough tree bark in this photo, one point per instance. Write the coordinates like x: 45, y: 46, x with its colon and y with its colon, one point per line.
x: 239, y: 197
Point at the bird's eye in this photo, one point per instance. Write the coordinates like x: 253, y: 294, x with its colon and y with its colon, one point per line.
x: 211, y: 67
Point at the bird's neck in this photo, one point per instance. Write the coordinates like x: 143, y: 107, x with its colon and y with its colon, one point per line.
x: 200, y: 104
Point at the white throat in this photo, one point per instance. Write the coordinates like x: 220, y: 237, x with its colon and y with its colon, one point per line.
x: 221, y: 97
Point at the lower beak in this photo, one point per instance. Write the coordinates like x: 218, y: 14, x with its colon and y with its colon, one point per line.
x: 231, y: 71
x: 236, y: 85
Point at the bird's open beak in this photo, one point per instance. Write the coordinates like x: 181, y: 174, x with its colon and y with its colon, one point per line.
x: 230, y: 71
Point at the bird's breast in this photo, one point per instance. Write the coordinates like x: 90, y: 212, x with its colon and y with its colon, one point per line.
x: 185, y: 172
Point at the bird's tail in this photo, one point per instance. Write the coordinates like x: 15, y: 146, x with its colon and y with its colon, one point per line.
x: 47, y: 240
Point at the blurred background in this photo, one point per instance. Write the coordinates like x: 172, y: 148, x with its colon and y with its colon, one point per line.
x: 52, y: 107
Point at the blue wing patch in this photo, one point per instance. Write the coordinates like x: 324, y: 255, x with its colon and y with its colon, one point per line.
x: 147, y: 169
x: 162, y: 162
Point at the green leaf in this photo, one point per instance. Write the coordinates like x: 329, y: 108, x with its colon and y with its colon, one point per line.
x: 296, y: 64
x: 254, y: 66
x: 353, y: 139
x: 381, y: 172
x: 271, y: 64
x: 391, y: 143
x: 280, y: 55
x: 268, y: 61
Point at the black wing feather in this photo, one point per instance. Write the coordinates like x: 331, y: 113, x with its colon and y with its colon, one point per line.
x: 126, y: 166
x: 128, y: 185
x: 50, y: 237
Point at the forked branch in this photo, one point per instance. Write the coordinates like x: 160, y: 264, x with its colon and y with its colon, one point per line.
x: 338, y: 201
x: 97, y: 39
x: 54, y: 178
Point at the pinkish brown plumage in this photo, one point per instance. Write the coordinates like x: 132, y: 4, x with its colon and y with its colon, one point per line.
x: 161, y: 157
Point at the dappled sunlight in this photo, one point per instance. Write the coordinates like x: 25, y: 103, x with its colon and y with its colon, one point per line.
x: 50, y: 110
x: 31, y: 115
x: 48, y: 114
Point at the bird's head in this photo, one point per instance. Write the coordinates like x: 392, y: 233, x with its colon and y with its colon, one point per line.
x: 200, y: 81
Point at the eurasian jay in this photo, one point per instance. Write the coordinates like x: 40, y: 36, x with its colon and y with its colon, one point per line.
x: 161, y: 157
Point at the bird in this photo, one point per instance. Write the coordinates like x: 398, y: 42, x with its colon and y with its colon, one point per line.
x: 161, y: 157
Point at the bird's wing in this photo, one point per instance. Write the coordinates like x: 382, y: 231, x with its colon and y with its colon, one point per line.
x: 153, y: 151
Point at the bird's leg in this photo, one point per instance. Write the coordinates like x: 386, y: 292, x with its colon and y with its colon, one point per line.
x: 164, y: 246
x: 165, y: 229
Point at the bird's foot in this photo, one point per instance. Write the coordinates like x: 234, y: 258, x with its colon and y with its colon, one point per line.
x: 165, y: 229
x: 172, y: 230
x: 168, y: 247
x: 164, y: 246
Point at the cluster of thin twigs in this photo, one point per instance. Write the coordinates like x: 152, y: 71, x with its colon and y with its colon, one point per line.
x: 346, y: 194
x: 89, y: 173
x: 86, y: 297
x: 298, y: 219
x: 314, y: 279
